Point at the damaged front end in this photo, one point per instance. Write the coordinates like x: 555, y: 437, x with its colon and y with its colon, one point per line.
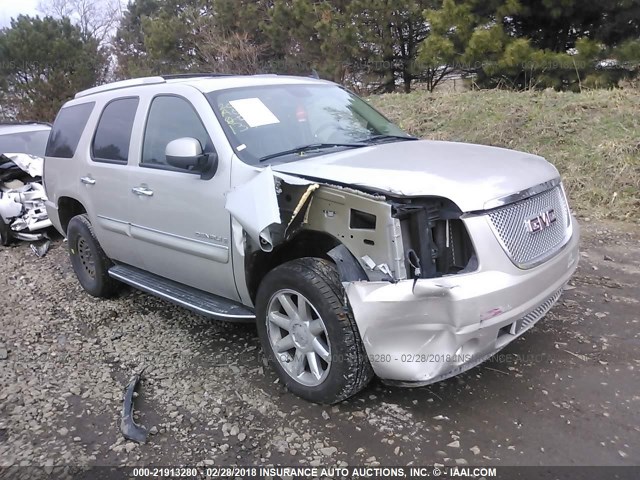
x: 374, y: 237
x: 22, y: 198
x: 430, y: 287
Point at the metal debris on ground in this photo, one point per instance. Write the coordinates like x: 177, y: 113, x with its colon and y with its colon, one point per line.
x: 41, y: 247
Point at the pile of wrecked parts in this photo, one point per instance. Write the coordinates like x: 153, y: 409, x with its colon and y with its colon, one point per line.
x: 23, y: 215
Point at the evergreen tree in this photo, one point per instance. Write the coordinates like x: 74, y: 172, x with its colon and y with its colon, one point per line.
x: 43, y: 63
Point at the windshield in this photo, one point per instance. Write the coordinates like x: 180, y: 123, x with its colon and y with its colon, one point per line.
x: 283, y: 123
x: 33, y: 143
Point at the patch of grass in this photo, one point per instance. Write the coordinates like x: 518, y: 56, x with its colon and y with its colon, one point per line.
x: 593, y: 138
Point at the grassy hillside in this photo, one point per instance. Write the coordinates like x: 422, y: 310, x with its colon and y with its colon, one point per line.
x: 593, y: 138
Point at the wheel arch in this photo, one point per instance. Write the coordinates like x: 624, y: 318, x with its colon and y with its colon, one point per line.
x: 307, y: 243
x: 69, y: 207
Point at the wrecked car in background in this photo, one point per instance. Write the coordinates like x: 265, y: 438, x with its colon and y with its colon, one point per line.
x: 23, y: 215
x: 356, y: 248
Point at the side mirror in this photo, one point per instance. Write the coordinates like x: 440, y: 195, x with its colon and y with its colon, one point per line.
x: 186, y: 154
x: 208, y: 165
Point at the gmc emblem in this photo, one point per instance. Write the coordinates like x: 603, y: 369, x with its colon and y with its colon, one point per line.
x: 541, y: 221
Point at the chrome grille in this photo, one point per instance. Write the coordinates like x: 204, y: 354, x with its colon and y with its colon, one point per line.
x: 526, y: 248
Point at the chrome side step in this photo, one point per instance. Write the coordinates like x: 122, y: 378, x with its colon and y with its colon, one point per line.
x: 204, y: 303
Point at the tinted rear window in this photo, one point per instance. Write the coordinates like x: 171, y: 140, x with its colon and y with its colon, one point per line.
x: 113, y: 135
x: 68, y: 129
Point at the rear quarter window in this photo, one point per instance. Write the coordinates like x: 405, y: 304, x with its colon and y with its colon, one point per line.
x: 67, y: 130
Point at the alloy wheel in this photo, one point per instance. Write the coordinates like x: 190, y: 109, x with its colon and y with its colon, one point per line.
x: 298, y: 337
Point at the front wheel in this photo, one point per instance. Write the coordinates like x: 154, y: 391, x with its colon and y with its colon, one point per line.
x: 309, y: 334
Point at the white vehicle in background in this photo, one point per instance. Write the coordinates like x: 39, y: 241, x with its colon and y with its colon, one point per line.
x: 23, y: 214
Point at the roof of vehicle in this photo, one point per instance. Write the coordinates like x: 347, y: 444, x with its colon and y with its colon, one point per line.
x: 9, y: 128
x: 205, y: 82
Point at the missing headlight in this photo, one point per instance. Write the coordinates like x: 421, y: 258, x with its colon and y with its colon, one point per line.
x: 453, y: 245
x: 434, y: 237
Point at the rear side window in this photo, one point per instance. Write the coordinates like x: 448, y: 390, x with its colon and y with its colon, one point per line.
x: 67, y: 130
x: 113, y: 135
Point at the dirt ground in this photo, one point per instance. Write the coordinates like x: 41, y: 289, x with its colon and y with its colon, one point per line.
x: 566, y: 393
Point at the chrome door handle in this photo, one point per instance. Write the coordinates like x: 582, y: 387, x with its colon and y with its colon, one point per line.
x: 142, y: 191
x: 87, y: 180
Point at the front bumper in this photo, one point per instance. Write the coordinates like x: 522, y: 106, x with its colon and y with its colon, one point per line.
x: 423, y: 333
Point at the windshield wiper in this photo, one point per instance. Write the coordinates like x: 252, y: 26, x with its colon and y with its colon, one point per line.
x: 377, y: 138
x: 308, y: 148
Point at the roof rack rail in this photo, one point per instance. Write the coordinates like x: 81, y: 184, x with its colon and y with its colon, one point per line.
x: 177, y: 76
x: 134, y: 82
x: 137, y: 82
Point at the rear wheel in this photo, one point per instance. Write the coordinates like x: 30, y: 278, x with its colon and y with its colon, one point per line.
x: 309, y: 334
x: 89, y: 261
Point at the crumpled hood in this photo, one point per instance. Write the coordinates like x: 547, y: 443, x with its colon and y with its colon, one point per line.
x: 469, y: 175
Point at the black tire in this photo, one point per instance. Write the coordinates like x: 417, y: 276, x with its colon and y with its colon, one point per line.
x: 318, y: 281
x: 5, y: 233
x: 89, y: 261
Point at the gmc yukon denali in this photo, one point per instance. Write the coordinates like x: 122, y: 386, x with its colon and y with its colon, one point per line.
x: 290, y: 202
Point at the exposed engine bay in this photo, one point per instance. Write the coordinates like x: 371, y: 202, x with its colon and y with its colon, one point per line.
x: 370, y: 236
x: 22, y: 198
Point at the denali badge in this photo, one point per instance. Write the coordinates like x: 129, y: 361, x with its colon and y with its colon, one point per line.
x: 541, y: 221
x: 216, y: 238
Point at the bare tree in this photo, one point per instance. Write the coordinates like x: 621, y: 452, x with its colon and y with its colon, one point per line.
x: 96, y: 18
x: 230, y: 54
x: 222, y: 52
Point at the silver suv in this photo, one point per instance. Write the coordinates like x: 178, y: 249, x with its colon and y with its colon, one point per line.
x: 356, y: 248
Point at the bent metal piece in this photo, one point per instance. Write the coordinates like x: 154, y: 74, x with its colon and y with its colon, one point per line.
x: 130, y: 429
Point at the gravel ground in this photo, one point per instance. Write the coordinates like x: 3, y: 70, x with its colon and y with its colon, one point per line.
x: 566, y: 393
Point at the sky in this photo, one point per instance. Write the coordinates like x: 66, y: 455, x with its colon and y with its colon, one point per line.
x: 13, y: 8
